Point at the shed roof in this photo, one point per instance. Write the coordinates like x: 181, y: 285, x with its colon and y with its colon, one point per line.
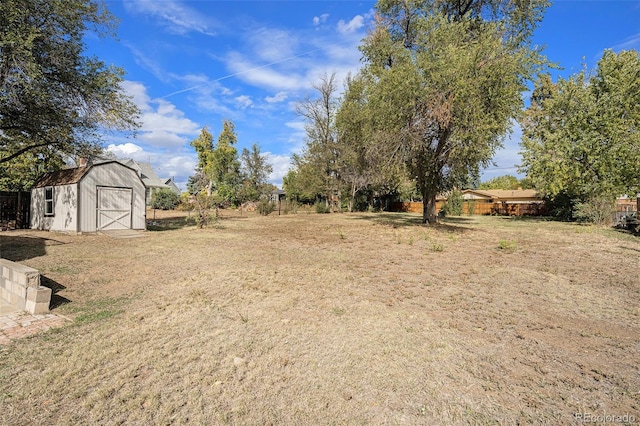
x: 68, y: 176
x: 62, y: 177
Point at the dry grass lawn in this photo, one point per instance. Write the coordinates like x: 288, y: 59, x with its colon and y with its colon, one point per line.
x: 331, y: 319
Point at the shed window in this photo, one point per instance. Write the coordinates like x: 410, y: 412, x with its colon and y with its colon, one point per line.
x: 48, y: 201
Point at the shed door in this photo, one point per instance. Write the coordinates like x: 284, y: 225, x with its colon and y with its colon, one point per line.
x: 114, y: 208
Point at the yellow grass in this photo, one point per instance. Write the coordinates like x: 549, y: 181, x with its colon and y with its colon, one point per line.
x: 331, y: 319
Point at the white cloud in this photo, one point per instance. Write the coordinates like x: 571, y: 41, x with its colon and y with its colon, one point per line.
x: 125, y: 150
x: 295, y: 125
x: 352, y: 26
x: 174, y: 15
x: 138, y: 94
x: 507, y: 158
x: 261, y: 75
x: 281, y: 165
x: 167, y: 118
x: 244, y: 101
x: 163, y: 139
x: 317, y: 20
x: 145, y: 62
x: 165, y: 164
x: 272, y: 44
x: 279, y: 97
x: 162, y: 124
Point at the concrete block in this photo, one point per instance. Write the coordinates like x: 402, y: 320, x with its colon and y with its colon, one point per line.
x: 33, y: 279
x: 17, y: 301
x: 16, y: 288
x: 36, y: 308
x: 39, y: 294
x: 20, y: 291
x: 6, y: 272
x: 20, y: 278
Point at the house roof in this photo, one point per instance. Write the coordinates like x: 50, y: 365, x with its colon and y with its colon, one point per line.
x: 506, y: 194
x: 147, y: 174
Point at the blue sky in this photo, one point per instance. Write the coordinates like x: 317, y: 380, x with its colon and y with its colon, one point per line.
x: 195, y: 63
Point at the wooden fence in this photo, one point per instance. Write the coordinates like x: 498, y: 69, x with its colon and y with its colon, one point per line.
x: 480, y: 207
x: 14, y: 210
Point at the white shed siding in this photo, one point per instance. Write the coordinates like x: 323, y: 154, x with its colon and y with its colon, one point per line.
x: 65, y: 217
x: 110, y: 175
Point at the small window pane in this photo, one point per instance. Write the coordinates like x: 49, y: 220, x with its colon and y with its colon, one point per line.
x: 48, y: 201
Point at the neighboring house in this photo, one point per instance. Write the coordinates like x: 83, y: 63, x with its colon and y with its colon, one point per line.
x: 504, y: 201
x: 151, y: 181
x: 91, y: 198
x: 517, y: 196
x: 278, y: 195
x: 172, y: 185
x: 627, y: 204
x: 516, y: 202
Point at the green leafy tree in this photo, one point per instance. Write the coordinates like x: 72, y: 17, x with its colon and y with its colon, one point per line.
x: 581, y: 136
x: 501, y: 182
x: 363, y: 167
x: 226, y: 165
x: 295, y: 187
x: 218, y: 166
x: 55, y: 102
x: 444, y: 81
x: 164, y: 199
x: 454, y: 204
x: 205, y: 172
x: 255, y: 172
x: 319, y: 166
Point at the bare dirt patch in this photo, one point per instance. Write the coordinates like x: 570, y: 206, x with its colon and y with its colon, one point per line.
x: 331, y: 319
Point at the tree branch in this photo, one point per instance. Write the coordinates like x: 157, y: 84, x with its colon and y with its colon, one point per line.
x: 22, y: 151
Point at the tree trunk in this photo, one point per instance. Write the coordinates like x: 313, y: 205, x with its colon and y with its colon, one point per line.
x: 353, y: 196
x: 429, y: 208
x: 209, y: 188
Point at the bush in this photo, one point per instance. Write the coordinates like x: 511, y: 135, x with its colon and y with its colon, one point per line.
x: 453, y: 206
x: 289, y: 206
x: 598, y: 210
x: 164, y: 199
x: 266, y: 207
x: 322, y: 208
x: 471, y: 210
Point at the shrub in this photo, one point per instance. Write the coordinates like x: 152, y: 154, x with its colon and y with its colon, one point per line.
x: 164, y: 199
x: 266, y: 207
x: 289, y: 206
x: 599, y: 210
x: 453, y: 206
x: 322, y: 208
x: 471, y: 210
x: 187, y: 203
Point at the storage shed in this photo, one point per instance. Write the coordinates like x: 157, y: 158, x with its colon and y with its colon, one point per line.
x: 92, y: 198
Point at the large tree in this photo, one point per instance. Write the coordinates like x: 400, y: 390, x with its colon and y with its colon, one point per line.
x: 318, y: 166
x: 255, y: 172
x: 56, y: 101
x: 205, y: 172
x: 446, y: 79
x: 363, y: 168
x: 581, y: 136
x: 218, y: 165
